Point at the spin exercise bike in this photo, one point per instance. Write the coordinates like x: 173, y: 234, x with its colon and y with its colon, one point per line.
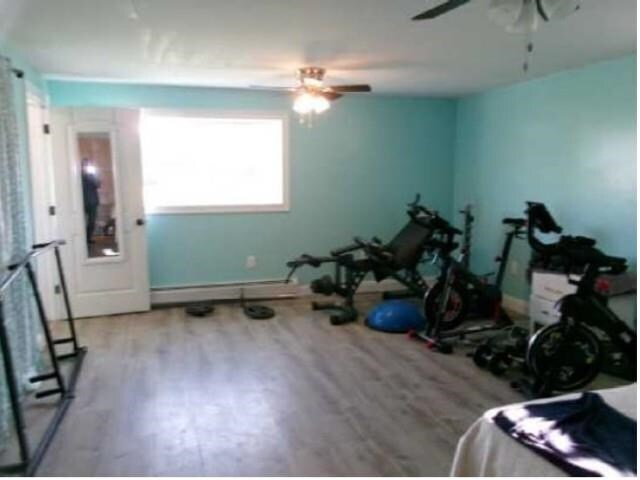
x: 458, y: 291
x: 399, y: 259
x: 567, y: 355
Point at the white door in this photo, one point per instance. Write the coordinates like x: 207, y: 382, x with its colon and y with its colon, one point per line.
x: 100, y: 209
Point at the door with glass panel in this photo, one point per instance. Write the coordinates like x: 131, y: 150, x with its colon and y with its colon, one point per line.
x: 101, y: 214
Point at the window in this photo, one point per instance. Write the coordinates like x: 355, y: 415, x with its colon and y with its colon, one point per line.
x: 199, y: 162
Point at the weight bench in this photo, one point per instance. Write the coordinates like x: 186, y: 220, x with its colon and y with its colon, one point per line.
x: 399, y: 259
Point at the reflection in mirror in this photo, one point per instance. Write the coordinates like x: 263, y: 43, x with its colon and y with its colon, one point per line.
x: 98, y: 194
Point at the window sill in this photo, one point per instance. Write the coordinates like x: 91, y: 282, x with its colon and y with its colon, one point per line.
x: 223, y: 209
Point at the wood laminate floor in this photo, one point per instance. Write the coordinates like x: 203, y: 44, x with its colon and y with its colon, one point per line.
x: 166, y: 394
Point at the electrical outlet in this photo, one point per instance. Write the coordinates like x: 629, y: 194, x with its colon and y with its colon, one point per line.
x: 515, y: 267
x: 251, y: 262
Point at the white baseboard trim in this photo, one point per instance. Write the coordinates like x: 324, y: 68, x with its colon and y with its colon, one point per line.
x: 515, y: 304
x: 203, y: 293
x: 254, y: 290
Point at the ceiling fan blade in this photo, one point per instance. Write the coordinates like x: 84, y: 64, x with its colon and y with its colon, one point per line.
x: 273, y: 89
x: 557, y: 9
x: 440, y: 9
x: 351, y: 88
x: 331, y: 96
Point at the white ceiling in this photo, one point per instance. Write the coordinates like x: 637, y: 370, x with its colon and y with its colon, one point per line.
x: 238, y: 43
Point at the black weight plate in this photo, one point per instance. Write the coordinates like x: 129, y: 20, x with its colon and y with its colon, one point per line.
x: 199, y: 310
x: 259, y: 312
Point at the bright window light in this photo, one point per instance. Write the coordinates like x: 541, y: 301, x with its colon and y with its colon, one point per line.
x: 195, y: 163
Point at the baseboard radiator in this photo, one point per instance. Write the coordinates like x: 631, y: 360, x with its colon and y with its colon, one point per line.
x: 252, y: 290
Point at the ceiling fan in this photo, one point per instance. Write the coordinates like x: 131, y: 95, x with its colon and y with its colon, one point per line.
x: 312, y: 96
x: 518, y: 16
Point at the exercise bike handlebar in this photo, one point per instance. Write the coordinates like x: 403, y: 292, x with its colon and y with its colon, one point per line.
x: 515, y: 222
x: 433, y: 221
x: 539, y: 218
x: 428, y: 218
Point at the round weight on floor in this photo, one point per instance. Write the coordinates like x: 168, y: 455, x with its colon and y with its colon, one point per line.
x: 499, y: 363
x: 259, y: 312
x: 343, y: 316
x: 199, y: 309
x: 444, y: 347
x: 482, y: 355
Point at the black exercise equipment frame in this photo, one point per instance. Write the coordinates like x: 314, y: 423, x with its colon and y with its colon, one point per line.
x: 379, y: 260
x: 455, y: 273
x: 348, y: 275
x: 30, y: 460
x: 585, y: 308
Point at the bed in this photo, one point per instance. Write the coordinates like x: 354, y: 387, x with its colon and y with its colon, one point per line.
x: 485, y: 450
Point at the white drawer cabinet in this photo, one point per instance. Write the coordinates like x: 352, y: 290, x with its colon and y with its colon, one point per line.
x: 551, y: 286
x: 548, y: 288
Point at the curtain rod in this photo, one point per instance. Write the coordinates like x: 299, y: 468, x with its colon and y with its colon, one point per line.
x: 16, y: 71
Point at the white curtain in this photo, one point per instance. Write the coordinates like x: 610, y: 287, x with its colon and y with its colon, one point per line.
x: 15, y: 241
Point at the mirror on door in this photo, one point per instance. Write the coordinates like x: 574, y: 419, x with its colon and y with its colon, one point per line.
x: 98, y: 194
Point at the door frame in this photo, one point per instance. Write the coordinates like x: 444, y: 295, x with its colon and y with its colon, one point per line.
x: 44, y: 222
x: 113, y: 284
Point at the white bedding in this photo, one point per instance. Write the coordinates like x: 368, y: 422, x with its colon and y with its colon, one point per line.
x: 485, y: 450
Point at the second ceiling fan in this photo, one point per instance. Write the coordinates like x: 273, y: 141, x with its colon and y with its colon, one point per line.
x: 518, y: 16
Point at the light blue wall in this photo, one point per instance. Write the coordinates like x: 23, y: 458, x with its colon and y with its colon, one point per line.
x: 351, y: 174
x: 568, y: 140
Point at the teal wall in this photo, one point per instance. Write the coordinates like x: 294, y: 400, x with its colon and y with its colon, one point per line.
x: 568, y: 140
x: 351, y: 174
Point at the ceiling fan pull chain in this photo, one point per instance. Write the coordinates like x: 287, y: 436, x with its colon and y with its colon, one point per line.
x: 528, y: 55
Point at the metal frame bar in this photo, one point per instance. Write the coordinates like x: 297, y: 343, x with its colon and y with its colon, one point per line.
x: 29, y: 461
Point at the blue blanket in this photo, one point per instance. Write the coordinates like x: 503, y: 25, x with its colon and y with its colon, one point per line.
x: 583, y: 437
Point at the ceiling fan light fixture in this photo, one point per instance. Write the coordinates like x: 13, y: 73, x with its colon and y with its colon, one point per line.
x: 312, y: 82
x: 528, y: 21
x: 307, y: 103
x: 516, y: 16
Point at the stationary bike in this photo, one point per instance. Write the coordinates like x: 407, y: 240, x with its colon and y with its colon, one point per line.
x: 567, y: 355
x: 447, y: 303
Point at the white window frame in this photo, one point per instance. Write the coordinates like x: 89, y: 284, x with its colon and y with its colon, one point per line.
x: 285, y: 206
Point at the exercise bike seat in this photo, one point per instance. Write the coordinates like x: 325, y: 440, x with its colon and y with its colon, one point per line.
x: 615, y: 264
